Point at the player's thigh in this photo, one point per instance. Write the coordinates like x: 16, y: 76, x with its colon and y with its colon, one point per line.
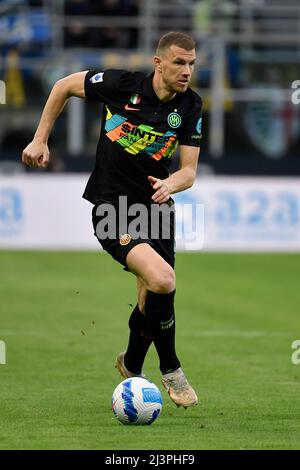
x: 157, y: 275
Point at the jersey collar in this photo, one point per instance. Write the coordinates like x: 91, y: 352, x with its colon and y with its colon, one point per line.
x: 149, y: 91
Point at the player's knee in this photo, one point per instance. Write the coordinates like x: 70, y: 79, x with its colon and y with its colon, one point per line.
x: 163, y: 282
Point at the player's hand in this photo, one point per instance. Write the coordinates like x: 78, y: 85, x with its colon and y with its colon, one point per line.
x: 36, y: 154
x: 162, y: 191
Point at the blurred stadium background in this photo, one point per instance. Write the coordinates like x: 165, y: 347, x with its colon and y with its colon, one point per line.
x: 242, y: 309
x: 248, y: 59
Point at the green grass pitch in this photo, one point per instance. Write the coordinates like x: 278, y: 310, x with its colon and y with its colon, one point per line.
x: 63, y: 317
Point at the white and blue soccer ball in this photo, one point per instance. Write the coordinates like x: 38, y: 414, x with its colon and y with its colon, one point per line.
x: 136, y: 401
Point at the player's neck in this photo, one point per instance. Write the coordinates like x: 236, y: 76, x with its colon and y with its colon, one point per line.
x: 160, y: 90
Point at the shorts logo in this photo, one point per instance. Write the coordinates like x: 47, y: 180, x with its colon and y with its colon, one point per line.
x: 174, y: 120
x: 97, y: 78
x: 125, y: 239
x: 199, y: 125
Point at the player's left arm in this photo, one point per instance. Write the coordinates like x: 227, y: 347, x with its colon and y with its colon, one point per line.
x: 179, y: 180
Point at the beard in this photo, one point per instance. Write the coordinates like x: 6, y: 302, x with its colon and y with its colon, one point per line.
x: 176, y: 87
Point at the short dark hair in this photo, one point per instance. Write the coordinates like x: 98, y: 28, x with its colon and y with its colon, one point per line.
x: 177, y: 39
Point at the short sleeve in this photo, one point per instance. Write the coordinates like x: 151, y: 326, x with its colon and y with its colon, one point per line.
x: 103, y: 85
x: 191, y: 130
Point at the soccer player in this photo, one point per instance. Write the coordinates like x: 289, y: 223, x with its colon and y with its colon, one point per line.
x: 144, y: 118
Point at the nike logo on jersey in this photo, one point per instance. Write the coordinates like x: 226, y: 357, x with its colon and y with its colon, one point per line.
x: 129, y: 108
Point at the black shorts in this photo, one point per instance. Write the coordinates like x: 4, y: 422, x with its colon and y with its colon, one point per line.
x: 119, y: 246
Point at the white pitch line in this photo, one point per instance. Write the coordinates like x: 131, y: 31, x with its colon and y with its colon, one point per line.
x: 18, y: 333
x: 204, y: 333
x: 241, y: 334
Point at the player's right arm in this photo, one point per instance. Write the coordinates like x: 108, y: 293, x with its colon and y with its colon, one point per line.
x: 36, y: 154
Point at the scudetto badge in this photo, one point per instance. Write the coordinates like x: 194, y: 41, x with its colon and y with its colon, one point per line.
x: 135, y: 98
x: 125, y: 239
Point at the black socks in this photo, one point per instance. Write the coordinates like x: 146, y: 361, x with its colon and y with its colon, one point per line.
x: 139, y: 342
x: 160, y: 323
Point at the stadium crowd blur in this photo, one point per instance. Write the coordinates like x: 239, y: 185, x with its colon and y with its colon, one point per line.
x: 41, y: 42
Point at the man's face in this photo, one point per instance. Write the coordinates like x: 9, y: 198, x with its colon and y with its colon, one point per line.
x: 176, y: 66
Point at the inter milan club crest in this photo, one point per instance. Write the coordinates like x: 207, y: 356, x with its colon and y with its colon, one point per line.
x: 135, y: 98
x: 174, y: 120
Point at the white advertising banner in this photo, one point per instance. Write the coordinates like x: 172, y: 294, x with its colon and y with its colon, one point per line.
x: 45, y: 212
x: 216, y: 214
x: 247, y: 214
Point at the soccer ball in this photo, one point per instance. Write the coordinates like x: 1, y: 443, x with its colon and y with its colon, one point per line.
x: 136, y: 401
